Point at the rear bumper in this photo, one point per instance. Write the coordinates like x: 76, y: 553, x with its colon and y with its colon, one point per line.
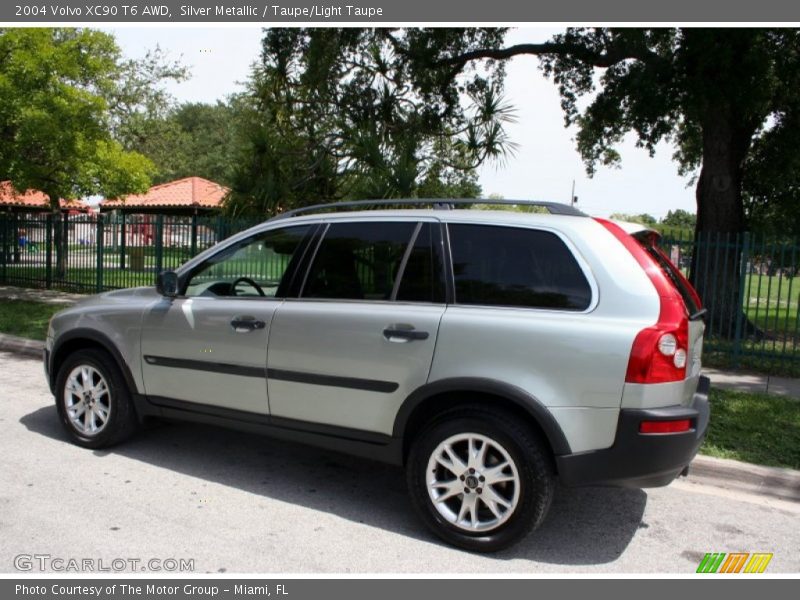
x: 642, y: 460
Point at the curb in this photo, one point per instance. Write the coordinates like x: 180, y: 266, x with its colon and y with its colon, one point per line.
x: 773, y: 482
x: 21, y: 346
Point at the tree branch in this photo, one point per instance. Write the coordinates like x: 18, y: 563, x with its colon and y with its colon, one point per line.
x: 611, y: 56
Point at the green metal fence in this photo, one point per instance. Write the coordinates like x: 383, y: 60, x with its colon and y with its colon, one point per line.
x: 750, y: 284
x: 93, y: 253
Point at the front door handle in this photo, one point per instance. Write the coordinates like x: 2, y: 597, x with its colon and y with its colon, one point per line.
x: 404, y: 333
x: 246, y: 323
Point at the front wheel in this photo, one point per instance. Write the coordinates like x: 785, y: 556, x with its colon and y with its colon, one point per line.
x: 480, y: 479
x: 93, y: 401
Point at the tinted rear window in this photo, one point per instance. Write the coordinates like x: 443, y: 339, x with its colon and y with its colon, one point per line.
x: 510, y: 266
x: 672, y: 273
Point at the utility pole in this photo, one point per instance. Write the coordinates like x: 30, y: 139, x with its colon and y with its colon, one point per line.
x: 573, y: 199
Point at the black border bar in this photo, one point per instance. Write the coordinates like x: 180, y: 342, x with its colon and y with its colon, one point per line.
x: 305, y: 12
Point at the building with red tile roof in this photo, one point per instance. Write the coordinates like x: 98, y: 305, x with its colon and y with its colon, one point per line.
x: 32, y: 201
x: 191, y: 195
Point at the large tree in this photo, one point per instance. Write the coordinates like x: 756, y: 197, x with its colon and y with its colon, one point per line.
x: 63, y: 93
x: 727, y: 99
x: 680, y: 219
x: 190, y: 139
x: 334, y: 114
x: 772, y: 176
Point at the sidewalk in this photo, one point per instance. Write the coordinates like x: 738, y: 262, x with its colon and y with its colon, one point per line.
x: 8, y: 292
x: 754, y: 382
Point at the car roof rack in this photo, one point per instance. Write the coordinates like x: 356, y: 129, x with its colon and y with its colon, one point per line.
x: 554, y: 208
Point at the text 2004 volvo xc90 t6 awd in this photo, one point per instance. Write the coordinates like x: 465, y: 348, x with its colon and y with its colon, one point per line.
x: 491, y: 353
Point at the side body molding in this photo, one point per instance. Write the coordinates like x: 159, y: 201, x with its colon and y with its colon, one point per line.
x: 517, y: 396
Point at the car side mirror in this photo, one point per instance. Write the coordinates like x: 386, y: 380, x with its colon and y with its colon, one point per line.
x: 167, y: 284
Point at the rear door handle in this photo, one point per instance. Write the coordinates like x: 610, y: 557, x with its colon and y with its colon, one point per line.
x: 397, y: 333
x: 246, y: 323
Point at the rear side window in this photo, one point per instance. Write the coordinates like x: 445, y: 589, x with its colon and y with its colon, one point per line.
x: 358, y: 261
x: 510, y: 266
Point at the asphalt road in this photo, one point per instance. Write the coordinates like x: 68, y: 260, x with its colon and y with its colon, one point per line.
x: 240, y: 503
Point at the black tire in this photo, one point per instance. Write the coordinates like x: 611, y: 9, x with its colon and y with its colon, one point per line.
x: 533, y: 464
x: 121, y: 422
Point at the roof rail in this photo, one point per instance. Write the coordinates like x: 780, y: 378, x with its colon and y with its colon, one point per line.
x: 555, y: 208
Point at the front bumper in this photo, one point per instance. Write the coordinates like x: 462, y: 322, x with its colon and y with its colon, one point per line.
x: 642, y: 460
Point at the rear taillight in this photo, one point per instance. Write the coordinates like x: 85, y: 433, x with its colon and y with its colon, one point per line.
x: 679, y: 426
x: 659, y: 353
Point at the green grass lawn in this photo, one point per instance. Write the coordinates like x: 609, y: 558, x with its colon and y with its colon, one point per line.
x: 774, y: 356
x: 772, y: 288
x: 754, y: 428
x: 26, y: 319
x: 772, y: 304
x: 79, y: 279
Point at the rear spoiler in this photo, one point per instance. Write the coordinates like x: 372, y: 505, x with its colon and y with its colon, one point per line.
x: 651, y: 237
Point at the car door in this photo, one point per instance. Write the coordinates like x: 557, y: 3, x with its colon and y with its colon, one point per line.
x: 209, y: 345
x: 360, y: 336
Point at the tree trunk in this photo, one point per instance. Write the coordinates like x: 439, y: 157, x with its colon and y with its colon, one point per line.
x: 60, y: 237
x: 716, y: 262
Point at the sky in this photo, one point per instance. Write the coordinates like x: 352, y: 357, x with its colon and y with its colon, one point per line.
x: 544, y: 166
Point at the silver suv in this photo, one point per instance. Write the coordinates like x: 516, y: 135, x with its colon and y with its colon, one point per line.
x: 491, y: 353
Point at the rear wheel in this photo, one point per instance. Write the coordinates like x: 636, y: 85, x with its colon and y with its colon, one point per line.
x: 480, y: 479
x: 93, y: 401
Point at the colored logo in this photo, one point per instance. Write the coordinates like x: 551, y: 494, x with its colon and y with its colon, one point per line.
x: 734, y: 562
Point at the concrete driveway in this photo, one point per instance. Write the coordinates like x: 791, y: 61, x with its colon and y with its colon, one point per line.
x: 239, y: 503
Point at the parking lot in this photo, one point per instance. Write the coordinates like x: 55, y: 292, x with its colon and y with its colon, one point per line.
x: 234, y: 503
